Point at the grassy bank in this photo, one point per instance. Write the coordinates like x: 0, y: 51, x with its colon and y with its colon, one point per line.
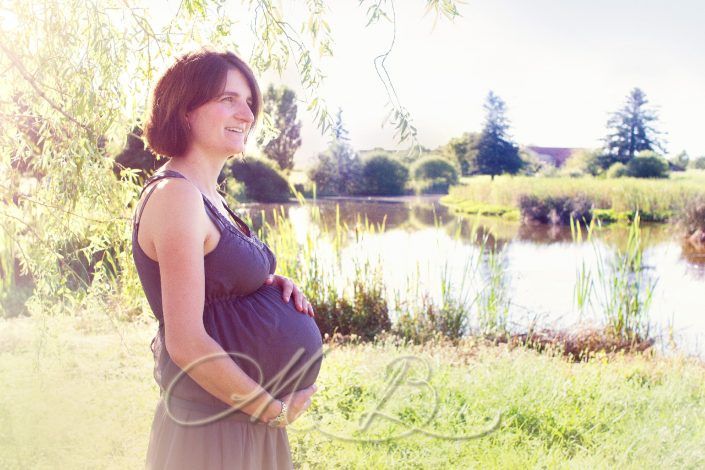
x: 613, y: 199
x: 79, y: 393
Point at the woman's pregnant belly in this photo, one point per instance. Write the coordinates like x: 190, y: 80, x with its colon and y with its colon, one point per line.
x: 275, y: 344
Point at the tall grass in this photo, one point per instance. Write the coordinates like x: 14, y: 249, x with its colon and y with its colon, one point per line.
x: 654, y: 199
x: 493, y: 302
x: 349, y: 294
x: 621, y: 284
x: 348, y: 291
x: 422, y: 319
x: 626, y: 289
x: 584, y: 284
x: 343, y: 304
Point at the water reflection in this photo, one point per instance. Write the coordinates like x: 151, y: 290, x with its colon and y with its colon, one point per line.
x: 422, y: 239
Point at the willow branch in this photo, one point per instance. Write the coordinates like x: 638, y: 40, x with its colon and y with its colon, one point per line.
x: 28, y: 77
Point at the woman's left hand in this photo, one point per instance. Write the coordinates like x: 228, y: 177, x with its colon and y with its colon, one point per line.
x: 289, y: 289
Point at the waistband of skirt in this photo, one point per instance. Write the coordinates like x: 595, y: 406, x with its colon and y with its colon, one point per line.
x: 176, y: 404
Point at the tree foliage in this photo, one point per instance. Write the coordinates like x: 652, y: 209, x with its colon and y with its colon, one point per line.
x: 384, y: 176
x: 434, y: 174
x: 648, y: 164
x: 263, y: 182
x: 631, y: 130
x: 463, y: 150
x: 496, y: 154
x: 135, y: 155
x: 280, y: 106
x: 583, y: 162
x: 698, y: 163
x: 338, y: 170
x: 76, y: 81
x: 682, y: 160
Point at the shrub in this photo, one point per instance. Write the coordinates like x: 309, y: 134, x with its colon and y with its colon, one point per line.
x: 383, y: 176
x: 617, y: 170
x: 648, y: 165
x: 434, y: 175
x: 693, y: 216
x: 582, y: 162
x: 428, y: 321
x: 337, y: 171
x: 325, y: 174
x: 365, y: 315
x: 556, y: 210
x: 263, y: 182
x: 698, y: 163
x: 435, y: 167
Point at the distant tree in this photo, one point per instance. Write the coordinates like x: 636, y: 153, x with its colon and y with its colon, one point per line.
x: 631, y: 130
x: 648, y: 164
x: 280, y: 104
x: 583, y: 162
x: 496, y: 154
x: 463, y: 150
x: 681, y: 160
x: 698, y: 163
x: 338, y: 169
x: 135, y: 155
x: 434, y: 174
x: 263, y: 182
x: 325, y: 174
x: 617, y: 170
x: 384, y: 176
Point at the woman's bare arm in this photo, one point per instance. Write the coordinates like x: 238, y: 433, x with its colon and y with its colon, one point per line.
x: 178, y: 228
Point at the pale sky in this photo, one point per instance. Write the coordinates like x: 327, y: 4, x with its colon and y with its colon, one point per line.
x: 560, y: 65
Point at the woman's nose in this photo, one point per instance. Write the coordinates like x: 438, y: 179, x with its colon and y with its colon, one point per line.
x: 244, y: 113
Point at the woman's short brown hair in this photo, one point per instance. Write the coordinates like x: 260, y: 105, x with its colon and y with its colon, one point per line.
x: 194, y: 79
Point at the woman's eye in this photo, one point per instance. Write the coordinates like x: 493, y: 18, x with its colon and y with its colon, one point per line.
x: 227, y: 98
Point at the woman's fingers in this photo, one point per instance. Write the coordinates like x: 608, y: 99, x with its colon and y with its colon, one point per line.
x: 290, y: 290
x: 299, y: 300
x: 287, y: 289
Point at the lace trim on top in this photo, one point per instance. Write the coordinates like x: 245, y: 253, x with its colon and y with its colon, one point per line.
x: 225, y: 222
x: 230, y: 225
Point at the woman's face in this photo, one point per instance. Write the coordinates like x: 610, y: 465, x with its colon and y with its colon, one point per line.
x: 221, y: 125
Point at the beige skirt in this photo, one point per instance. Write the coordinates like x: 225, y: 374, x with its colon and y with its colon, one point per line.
x: 232, y: 442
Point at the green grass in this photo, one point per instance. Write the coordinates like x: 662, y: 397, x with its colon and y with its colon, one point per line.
x: 78, y: 393
x: 618, y: 199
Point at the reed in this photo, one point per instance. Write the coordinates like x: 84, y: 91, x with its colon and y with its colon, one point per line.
x: 343, y: 305
x: 625, y: 287
x: 584, y: 283
x: 621, y: 288
x: 655, y: 200
x: 348, y: 291
x: 493, y: 300
x: 422, y: 319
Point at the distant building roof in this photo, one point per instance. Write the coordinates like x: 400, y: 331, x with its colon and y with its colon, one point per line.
x: 555, y: 155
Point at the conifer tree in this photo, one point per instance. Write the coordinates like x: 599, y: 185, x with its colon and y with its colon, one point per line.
x: 496, y: 153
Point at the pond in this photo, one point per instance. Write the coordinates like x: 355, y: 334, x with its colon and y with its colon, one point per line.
x: 423, y: 242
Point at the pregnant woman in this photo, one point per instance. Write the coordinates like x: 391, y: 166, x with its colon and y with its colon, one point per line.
x: 237, y: 351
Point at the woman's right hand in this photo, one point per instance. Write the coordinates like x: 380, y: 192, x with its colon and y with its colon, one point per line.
x: 298, y: 402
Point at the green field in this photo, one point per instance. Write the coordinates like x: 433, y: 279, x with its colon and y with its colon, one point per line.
x: 79, y: 393
x: 655, y: 199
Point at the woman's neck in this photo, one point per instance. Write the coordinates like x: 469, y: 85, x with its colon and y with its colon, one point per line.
x: 203, y: 172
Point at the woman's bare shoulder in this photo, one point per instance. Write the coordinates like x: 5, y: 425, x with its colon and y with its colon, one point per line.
x: 175, y: 210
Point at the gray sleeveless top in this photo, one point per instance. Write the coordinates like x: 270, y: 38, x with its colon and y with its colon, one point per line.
x: 247, y: 318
